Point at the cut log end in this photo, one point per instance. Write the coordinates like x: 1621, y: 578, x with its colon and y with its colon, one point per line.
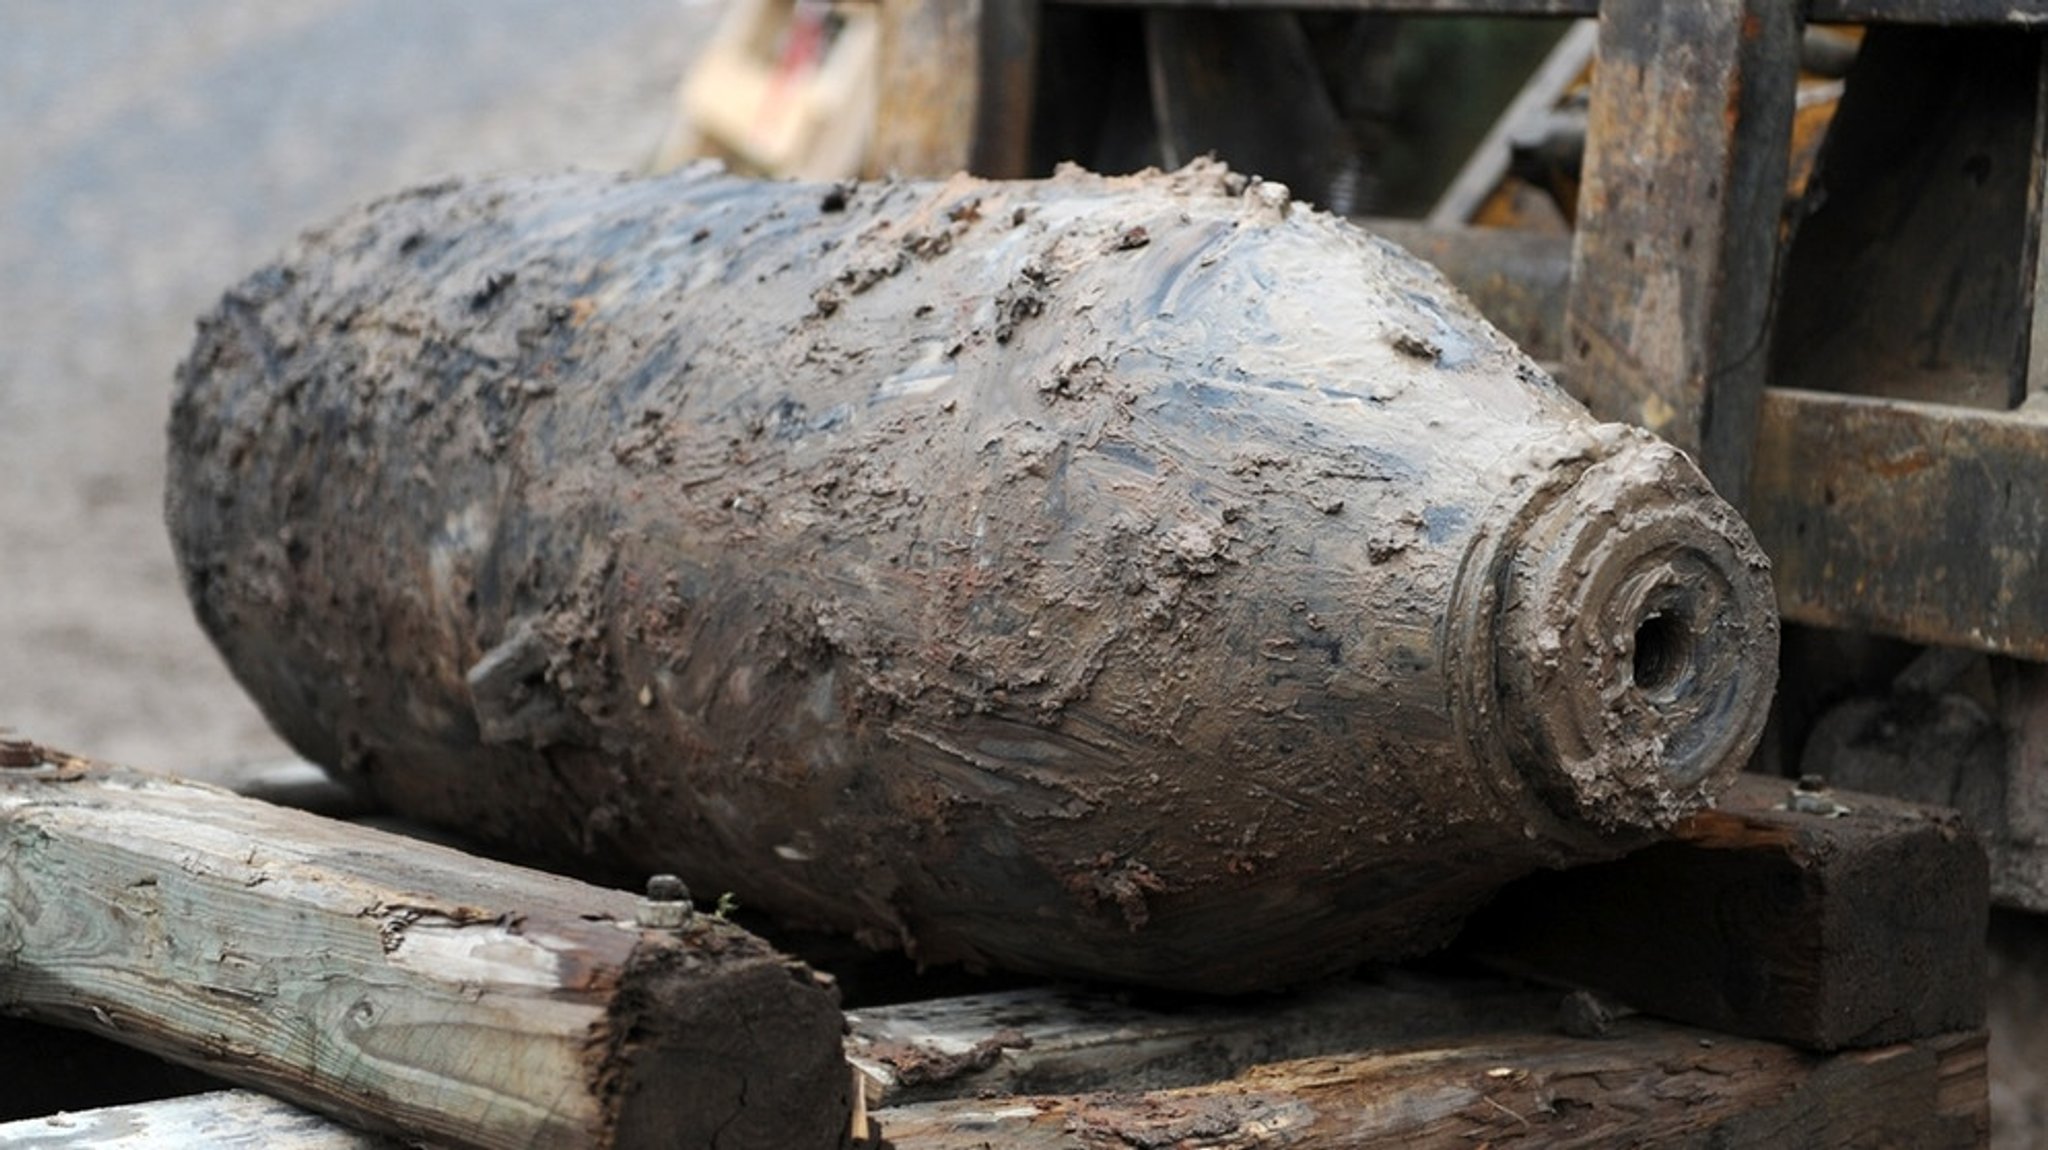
x: 737, y: 1062
x: 398, y: 986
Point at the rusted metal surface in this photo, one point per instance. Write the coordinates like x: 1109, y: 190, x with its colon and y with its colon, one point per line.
x: 1145, y: 578
x: 1923, y: 521
x: 1675, y: 254
x: 1912, y: 271
x: 1940, y: 12
x: 931, y: 87
x: 1973, y: 735
x: 1244, y: 86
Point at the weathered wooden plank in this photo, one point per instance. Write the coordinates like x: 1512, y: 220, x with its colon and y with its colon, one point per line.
x: 1044, y: 1040
x: 394, y: 984
x: 930, y: 87
x: 1676, y: 248
x: 223, y: 1120
x: 1847, y: 920
x: 1646, y: 1084
x: 1943, y: 12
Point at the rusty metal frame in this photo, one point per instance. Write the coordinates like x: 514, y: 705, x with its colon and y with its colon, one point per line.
x: 1943, y: 12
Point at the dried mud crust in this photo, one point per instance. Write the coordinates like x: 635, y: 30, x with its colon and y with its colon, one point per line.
x: 1098, y: 576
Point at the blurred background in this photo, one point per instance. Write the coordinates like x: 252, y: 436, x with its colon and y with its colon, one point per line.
x: 152, y: 154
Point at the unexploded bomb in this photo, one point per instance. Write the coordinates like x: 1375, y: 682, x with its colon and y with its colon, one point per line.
x: 1143, y: 578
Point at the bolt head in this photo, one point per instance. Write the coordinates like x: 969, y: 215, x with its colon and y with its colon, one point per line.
x: 666, y: 906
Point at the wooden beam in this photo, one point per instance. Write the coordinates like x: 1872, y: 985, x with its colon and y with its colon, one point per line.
x: 1646, y: 1084
x: 930, y: 88
x: 1676, y: 249
x: 1847, y: 920
x: 1049, y: 1041
x: 223, y: 1120
x: 1402, y: 1060
x: 958, y: 88
x: 397, y: 985
x: 1909, y: 274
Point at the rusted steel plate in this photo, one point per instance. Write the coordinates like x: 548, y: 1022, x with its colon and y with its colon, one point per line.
x: 2018, y: 13
x: 1677, y: 241
x: 932, y: 94
x: 1917, y: 520
x: 1913, y: 261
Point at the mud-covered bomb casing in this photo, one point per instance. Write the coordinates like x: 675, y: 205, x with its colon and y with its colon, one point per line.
x: 1142, y: 578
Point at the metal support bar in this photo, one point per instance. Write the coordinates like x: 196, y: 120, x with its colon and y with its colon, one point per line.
x: 1919, y: 520
x: 1676, y: 251
x: 1941, y: 12
x: 1008, y: 88
x: 2035, y: 290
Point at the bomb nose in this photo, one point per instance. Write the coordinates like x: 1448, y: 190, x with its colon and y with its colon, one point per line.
x: 1636, y: 649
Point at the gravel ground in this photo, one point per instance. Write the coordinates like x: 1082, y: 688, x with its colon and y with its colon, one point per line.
x: 152, y: 153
